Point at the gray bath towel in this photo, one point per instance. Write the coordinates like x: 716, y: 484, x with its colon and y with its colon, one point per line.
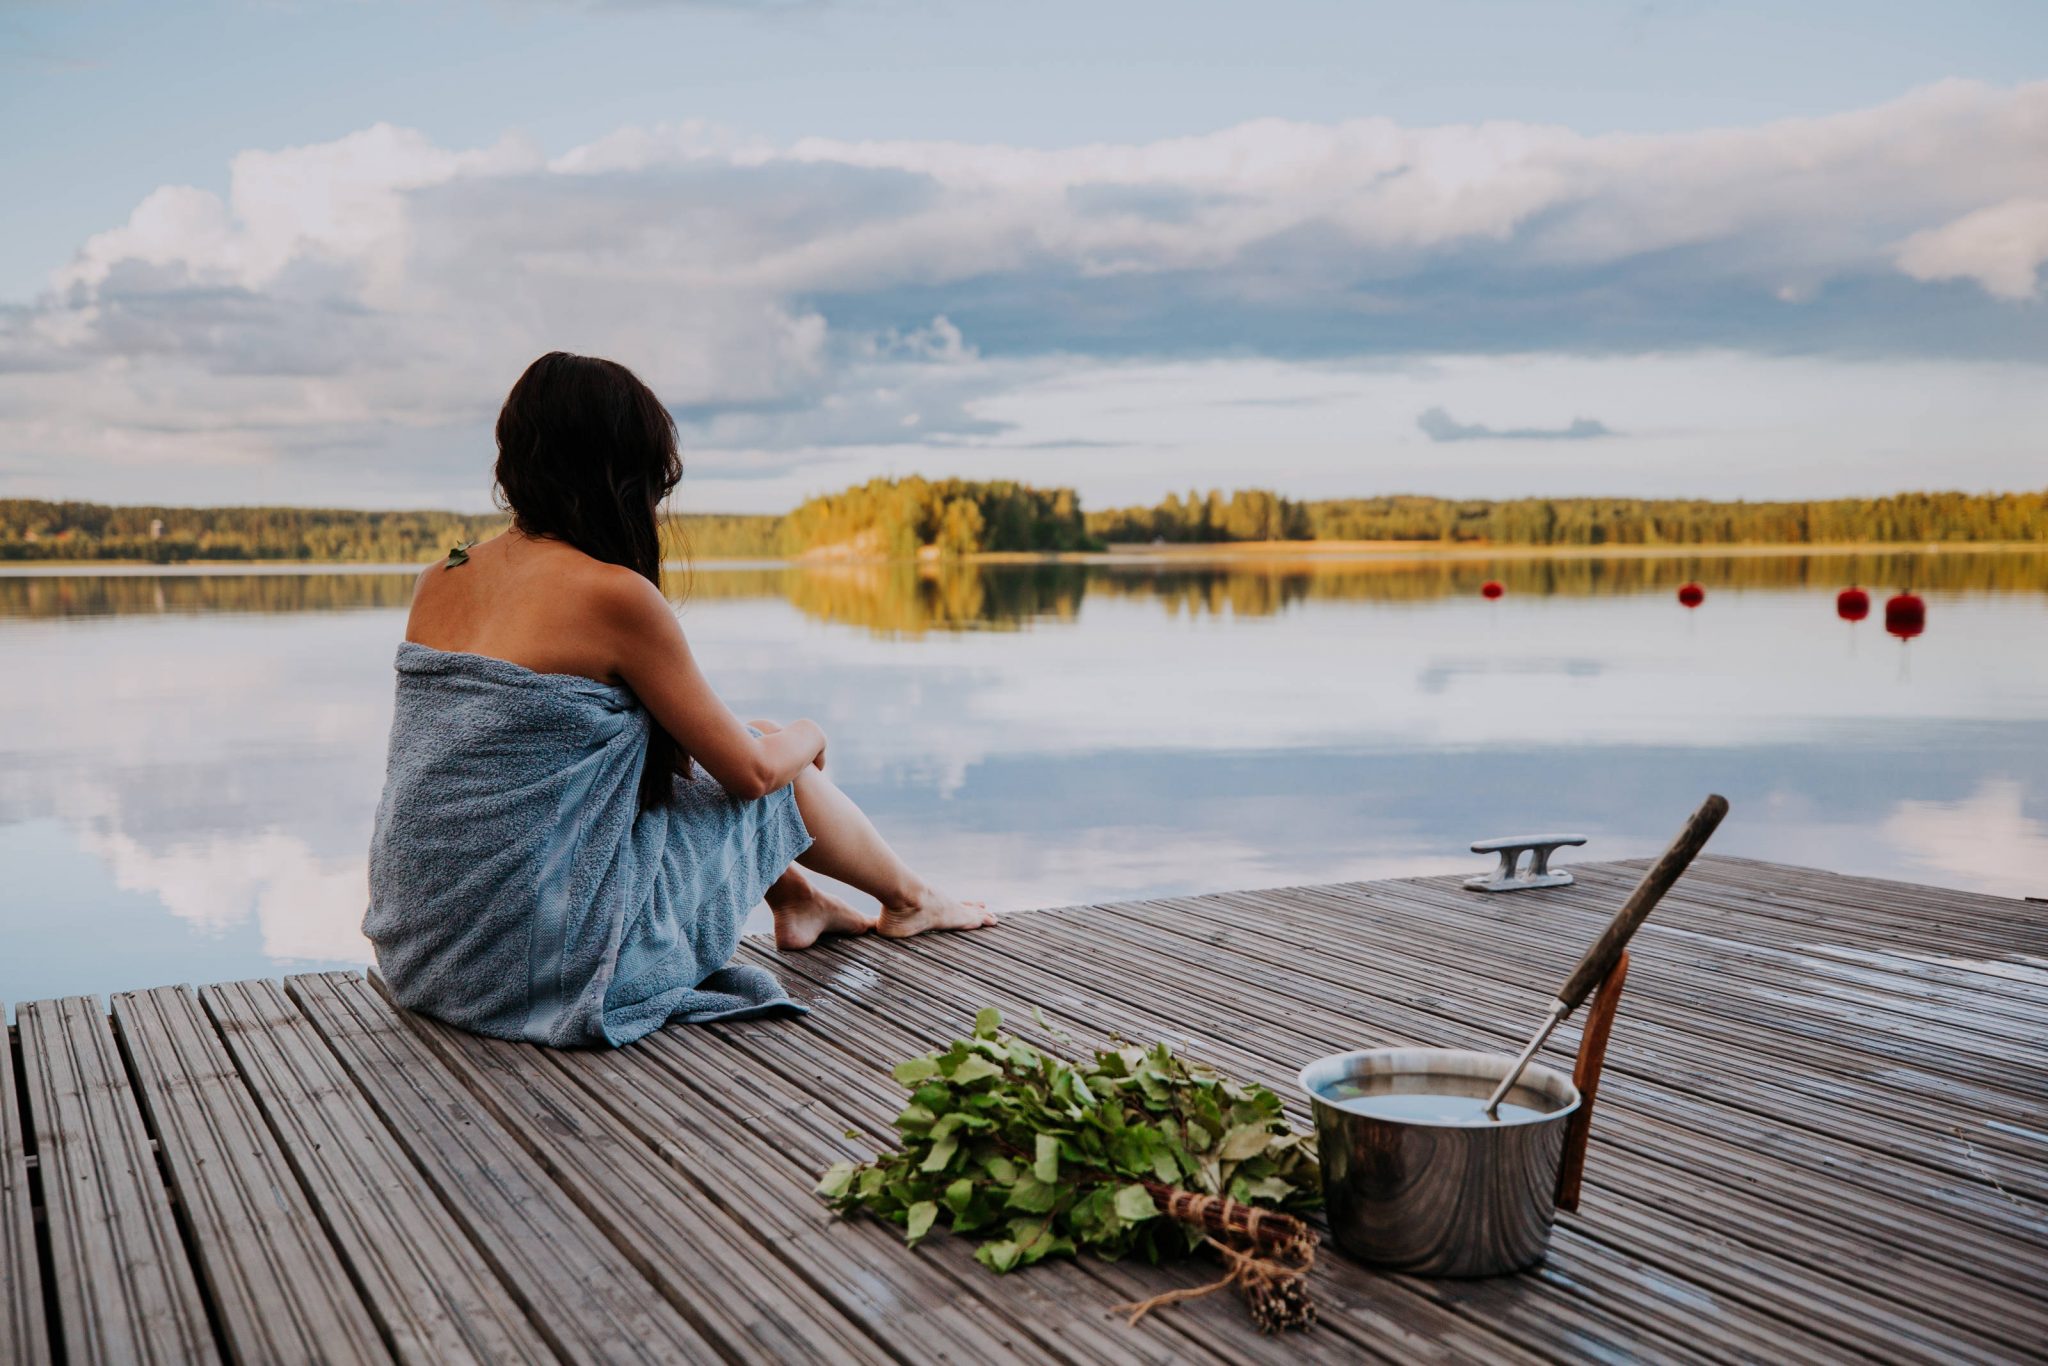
x: 516, y: 888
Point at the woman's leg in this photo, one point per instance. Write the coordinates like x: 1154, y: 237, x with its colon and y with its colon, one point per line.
x: 805, y: 912
x: 845, y: 845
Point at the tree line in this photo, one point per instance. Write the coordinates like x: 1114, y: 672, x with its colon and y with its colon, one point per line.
x: 902, y: 518
x: 32, y: 529
x: 1260, y: 515
x: 909, y: 518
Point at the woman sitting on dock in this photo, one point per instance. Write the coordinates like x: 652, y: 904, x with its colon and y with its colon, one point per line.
x: 574, y: 826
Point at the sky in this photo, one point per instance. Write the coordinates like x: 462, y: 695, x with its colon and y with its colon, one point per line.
x: 268, y: 251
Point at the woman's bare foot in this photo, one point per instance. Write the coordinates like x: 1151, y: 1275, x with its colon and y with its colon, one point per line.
x: 933, y: 910
x: 804, y: 913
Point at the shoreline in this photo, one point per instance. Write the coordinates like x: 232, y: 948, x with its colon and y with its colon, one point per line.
x: 1250, y: 552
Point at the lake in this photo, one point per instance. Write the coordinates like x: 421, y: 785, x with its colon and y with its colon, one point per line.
x: 189, y: 760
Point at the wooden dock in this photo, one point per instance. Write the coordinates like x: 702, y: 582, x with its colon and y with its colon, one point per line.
x: 1823, y: 1136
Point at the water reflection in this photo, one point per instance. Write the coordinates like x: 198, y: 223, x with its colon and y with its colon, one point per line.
x: 188, y: 763
x: 900, y: 598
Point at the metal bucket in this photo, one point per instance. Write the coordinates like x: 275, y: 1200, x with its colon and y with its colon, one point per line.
x: 1437, y: 1199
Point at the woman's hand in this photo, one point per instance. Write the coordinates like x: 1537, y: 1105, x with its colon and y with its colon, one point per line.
x: 770, y: 728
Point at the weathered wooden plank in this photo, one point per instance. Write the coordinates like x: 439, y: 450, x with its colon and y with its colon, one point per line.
x: 124, y: 1290
x: 2005, y: 981
x: 24, y: 1336
x: 1695, y: 939
x: 1706, y: 950
x: 582, y: 1292
x: 714, y: 1270
x: 432, y: 1293
x: 1543, y: 1311
x: 937, y: 1306
x: 1745, y: 1268
x: 277, y: 1289
x: 1969, y: 1226
x: 1907, y: 916
x: 846, y: 1055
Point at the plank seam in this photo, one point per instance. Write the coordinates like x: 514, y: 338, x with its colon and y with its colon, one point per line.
x: 32, y: 1181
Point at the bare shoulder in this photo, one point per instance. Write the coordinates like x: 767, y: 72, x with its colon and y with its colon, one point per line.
x: 614, y: 592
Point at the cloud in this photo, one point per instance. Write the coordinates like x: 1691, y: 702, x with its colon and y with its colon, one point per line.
x: 373, y: 296
x: 1987, y: 841
x: 2001, y: 249
x: 1441, y: 426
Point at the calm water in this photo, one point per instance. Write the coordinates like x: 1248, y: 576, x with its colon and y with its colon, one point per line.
x: 189, y: 762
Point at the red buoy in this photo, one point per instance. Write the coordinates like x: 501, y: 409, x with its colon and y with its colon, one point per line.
x: 1491, y: 589
x: 1691, y: 594
x: 1852, y: 604
x: 1905, y: 616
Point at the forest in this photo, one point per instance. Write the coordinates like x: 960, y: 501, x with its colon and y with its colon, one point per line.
x: 31, y: 529
x: 908, y: 518
x: 900, y: 518
x: 1255, y: 515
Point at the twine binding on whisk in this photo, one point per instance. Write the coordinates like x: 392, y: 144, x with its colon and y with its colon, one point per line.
x: 1267, y: 1256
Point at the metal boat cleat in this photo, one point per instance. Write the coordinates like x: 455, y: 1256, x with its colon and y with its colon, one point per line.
x: 1506, y: 878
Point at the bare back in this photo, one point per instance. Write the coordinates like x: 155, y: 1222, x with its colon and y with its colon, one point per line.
x: 549, y: 607
x: 531, y: 602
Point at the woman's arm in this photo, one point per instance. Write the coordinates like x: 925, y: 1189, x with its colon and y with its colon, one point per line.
x: 654, y: 660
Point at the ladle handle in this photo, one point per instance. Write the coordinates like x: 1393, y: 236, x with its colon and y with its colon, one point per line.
x: 1599, y: 959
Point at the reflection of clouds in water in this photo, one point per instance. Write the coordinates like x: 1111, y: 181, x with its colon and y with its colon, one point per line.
x: 1764, y: 668
x: 1986, y: 841
x: 225, y: 767
x: 221, y: 770
x: 307, y: 908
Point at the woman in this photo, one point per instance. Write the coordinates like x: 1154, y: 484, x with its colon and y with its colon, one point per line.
x: 573, y: 824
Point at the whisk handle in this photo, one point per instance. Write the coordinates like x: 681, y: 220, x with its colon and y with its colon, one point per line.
x: 1599, y: 959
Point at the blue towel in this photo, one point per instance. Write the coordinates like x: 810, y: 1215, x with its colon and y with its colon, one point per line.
x: 516, y: 888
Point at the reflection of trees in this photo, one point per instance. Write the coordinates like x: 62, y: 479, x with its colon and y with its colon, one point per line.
x: 897, y: 598
x: 90, y: 595
x: 911, y: 598
x: 1255, y: 588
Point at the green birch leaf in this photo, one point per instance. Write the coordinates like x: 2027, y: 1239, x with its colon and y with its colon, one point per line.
x: 1047, y: 1167
x: 973, y: 1070
x: 916, y: 1070
x: 998, y: 1255
x: 1135, y: 1203
x: 1246, y: 1140
x: 920, y: 1218
x: 941, y: 1153
x: 987, y: 1021
x: 837, y: 1178
x: 1033, y: 1196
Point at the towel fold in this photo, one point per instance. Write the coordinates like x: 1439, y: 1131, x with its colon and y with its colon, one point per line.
x: 516, y: 888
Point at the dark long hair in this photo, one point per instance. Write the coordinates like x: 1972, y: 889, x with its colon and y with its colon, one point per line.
x: 586, y: 456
